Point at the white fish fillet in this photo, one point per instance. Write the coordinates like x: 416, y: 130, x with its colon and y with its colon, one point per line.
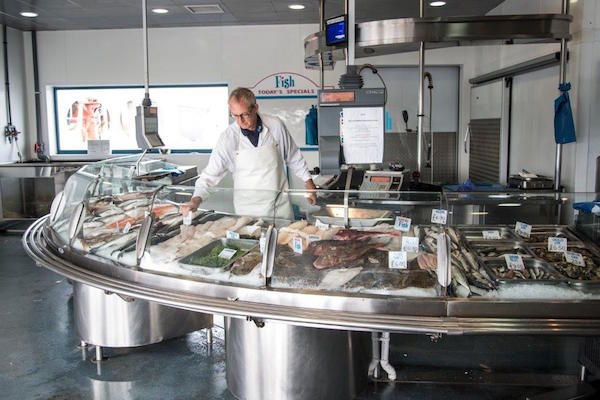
x: 338, y: 277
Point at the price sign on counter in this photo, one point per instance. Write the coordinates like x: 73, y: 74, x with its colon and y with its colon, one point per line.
x: 410, y: 244
x: 397, y: 260
x: 262, y: 243
x: 320, y: 225
x: 313, y: 238
x: 523, y: 229
x: 227, y: 253
x: 491, y: 235
x: 127, y: 228
x: 574, y: 258
x: 297, y: 245
x: 557, y: 244
x: 187, y: 219
x: 232, y: 235
x: 439, y: 216
x: 402, y: 224
x: 514, y: 261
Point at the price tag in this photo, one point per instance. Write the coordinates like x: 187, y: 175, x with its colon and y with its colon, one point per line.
x: 227, y: 253
x: 297, y: 245
x: 410, y: 244
x: 127, y: 228
x: 574, y: 258
x: 557, y: 244
x: 491, y: 235
x: 262, y: 242
x: 187, y: 219
x: 313, y: 238
x: 321, y: 225
x: 439, y: 216
x: 402, y: 224
x: 523, y: 229
x: 252, y: 228
x: 146, y: 213
x: 514, y: 261
x: 232, y: 235
x: 397, y: 260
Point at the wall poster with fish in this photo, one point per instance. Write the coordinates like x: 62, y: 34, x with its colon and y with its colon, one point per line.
x: 190, y: 117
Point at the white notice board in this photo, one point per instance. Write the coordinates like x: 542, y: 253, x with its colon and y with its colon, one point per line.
x: 361, y: 131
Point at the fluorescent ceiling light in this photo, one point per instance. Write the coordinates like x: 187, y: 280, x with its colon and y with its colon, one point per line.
x: 296, y: 6
x: 29, y: 14
x: 160, y: 10
x: 437, y: 3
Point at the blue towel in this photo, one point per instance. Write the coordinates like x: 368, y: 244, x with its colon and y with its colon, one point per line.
x: 564, y: 128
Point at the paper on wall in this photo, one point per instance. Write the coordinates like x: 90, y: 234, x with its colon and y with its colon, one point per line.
x: 361, y: 130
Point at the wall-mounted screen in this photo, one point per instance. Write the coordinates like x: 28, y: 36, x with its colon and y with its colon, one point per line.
x: 336, y: 30
x: 190, y: 117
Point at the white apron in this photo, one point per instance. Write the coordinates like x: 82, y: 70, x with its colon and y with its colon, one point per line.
x: 259, y: 182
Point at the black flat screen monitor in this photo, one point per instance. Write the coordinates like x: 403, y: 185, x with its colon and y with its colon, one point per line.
x: 336, y: 30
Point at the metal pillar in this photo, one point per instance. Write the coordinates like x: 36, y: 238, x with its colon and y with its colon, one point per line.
x: 421, y: 107
x: 322, y: 29
x: 562, y: 79
x: 350, y: 7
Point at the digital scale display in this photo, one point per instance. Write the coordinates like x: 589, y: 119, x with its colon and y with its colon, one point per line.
x: 381, y: 179
x: 337, y: 97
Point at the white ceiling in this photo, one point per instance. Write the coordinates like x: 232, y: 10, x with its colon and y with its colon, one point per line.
x: 113, y: 14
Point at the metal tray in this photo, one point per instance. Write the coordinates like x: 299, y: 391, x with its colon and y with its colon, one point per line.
x: 502, y: 247
x: 244, y: 246
x: 490, y: 266
x: 474, y: 234
x: 544, y: 232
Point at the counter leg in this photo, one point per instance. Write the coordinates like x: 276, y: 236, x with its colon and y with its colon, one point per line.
x: 582, y: 373
x: 374, y: 365
x: 385, y: 353
x: 99, y: 357
x: 82, y: 344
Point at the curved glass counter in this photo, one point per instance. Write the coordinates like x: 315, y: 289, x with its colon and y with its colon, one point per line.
x: 353, y: 260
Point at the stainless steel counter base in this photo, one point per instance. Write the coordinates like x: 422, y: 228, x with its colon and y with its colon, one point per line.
x: 281, y: 361
x: 110, y: 320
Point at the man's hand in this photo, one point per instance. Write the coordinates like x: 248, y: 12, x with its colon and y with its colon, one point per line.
x: 311, y: 196
x: 191, y: 205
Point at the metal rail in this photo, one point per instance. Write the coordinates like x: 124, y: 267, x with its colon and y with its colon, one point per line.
x: 333, y: 311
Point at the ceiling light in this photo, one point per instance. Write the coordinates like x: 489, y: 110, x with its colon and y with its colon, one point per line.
x: 437, y: 3
x: 296, y: 6
x: 29, y: 14
x: 160, y: 10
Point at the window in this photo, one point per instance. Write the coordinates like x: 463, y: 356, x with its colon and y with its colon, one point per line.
x: 190, y: 117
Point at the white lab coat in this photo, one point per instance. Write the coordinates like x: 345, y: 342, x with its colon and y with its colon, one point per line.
x: 222, y: 159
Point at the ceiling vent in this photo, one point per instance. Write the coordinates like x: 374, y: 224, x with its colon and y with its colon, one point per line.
x: 205, y: 9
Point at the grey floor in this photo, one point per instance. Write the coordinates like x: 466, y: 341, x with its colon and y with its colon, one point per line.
x: 39, y: 357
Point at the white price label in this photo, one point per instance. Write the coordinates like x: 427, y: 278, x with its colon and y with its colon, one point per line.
x: 146, y: 213
x: 491, y: 235
x: 187, y: 219
x: 313, y: 238
x: 439, y: 216
x: 262, y: 242
x: 557, y: 244
x: 227, y: 253
x: 297, y: 245
x: 127, y: 228
x: 523, y: 229
x: 322, y: 226
x: 402, y: 224
x: 574, y: 258
x: 232, y: 235
x: 410, y: 244
x: 397, y: 260
x: 514, y: 261
x: 252, y: 228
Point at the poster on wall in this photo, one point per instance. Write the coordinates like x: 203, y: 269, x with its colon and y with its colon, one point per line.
x: 189, y: 117
x: 289, y: 96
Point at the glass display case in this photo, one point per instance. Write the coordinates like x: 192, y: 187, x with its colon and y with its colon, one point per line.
x: 380, y: 256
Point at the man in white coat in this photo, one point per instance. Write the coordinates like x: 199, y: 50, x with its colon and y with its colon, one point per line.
x: 255, y: 148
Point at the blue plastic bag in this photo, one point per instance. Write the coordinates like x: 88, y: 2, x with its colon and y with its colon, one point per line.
x: 564, y: 128
x: 312, y: 132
